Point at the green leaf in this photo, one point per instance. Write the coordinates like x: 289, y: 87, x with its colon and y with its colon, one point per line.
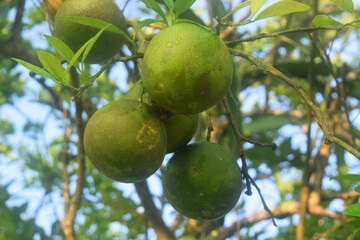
x: 92, y: 42
x: 182, y: 5
x: 325, y: 21
x: 77, y: 54
x: 192, y: 22
x: 218, y: 8
x: 144, y: 23
x: 51, y: 63
x: 61, y: 48
x: 96, y: 23
x: 237, y: 7
x: 282, y: 8
x: 35, y: 69
x: 256, y: 5
x: 170, y: 5
x: 351, y: 177
x: 357, y: 189
x: 347, y: 5
x: 263, y: 124
x: 152, y: 4
x: 352, y: 224
x: 353, y: 210
x: 353, y: 235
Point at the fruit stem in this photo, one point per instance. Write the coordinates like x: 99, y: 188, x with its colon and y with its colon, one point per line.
x: 210, y: 127
x: 244, y: 168
x: 102, y: 69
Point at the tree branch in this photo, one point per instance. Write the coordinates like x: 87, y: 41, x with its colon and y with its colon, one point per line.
x: 103, y: 68
x: 321, y: 120
x: 283, y: 210
x: 14, y: 49
x: 17, y: 26
x: 244, y: 168
x: 68, y: 222
x: 286, y: 32
x: 152, y: 213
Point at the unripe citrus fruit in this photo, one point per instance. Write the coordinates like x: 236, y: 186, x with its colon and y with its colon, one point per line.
x: 180, y: 128
x: 202, y: 181
x: 75, y: 35
x: 52, y: 7
x: 186, y: 69
x: 125, y: 140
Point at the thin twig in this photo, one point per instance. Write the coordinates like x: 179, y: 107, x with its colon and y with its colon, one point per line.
x: 210, y: 127
x: 321, y: 120
x: 340, y: 89
x: 289, y: 31
x: 238, y: 133
x: 244, y: 168
x: 102, y: 69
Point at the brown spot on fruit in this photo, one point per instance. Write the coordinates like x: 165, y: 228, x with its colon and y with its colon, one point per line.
x: 115, y: 137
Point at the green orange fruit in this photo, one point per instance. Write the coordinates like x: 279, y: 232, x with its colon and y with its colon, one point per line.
x: 52, y: 7
x: 202, y: 181
x: 125, y: 140
x: 180, y: 128
x: 186, y: 69
x: 75, y: 35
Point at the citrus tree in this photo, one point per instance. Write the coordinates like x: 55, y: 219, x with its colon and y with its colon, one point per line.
x: 162, y: 119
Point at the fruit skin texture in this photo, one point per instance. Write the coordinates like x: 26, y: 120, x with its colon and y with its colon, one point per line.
x: 202, y: 181
x: 125, y: 140
x: 180, y: 128
x: 52, y: 7
x: 186, y: 69
x: 75, y: 35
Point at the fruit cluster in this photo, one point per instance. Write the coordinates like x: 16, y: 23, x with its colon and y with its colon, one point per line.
x: 186, y: 69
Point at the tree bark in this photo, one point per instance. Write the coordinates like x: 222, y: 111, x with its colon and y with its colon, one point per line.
x: 152, y: 213
x: 73, y: 204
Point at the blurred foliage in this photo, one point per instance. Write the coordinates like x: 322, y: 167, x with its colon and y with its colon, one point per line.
x: 112, y: 211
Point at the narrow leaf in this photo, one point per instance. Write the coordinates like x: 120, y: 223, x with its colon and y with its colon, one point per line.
x: 237, y: 7
x: 92, y: 42
x: 61, y: 48
x: 325, y: 21
x: 66, y: 79
x: 35, y: 69
x: 282, y: 8
x: 144, y: 23
x: 77, y: 55
x: 152, y: 4
x: 218, y: 8
x: 192, y: 22
x: 353, y: 210
x: 267, y: 123
x: 353, y: 235
x: 51, y: 63
x: 256, y: 5
x: 351, y: 177
x: 96, y: 23
x: 182, y: 5
x: 170, y: 5
x: 347, y: 5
